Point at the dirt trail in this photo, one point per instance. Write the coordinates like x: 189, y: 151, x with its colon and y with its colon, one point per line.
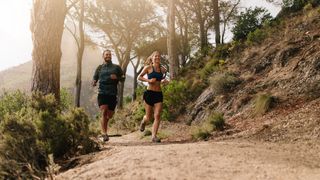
x: 128, y: 158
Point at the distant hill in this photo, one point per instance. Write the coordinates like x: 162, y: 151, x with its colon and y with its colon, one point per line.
x: 19, y: 77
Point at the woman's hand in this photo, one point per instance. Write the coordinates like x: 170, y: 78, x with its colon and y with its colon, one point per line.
x: 151, y: 81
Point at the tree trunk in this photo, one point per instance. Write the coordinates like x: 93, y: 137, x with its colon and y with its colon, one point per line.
x: 79, y: 56
x: 135, y: 80
x: 47, y: 20
x: 216, y: 20
x: 173, y: 60
x: 123, y: 66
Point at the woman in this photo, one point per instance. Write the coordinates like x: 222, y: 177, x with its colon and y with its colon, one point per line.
x: 153, y: 97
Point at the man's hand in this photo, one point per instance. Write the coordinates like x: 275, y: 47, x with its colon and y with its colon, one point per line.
x: 113, y: 76
x: 94, y: 83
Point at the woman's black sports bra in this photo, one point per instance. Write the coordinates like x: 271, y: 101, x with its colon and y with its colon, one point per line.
x: 154, y: 74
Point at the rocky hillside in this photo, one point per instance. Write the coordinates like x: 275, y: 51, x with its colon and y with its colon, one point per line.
x: 19, y: 77
x: 285, y: 69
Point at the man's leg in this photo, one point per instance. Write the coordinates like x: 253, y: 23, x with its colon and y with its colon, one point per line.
x: 104, y: 119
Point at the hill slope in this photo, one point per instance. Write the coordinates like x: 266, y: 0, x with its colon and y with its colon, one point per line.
x: 284, y: 67
x: 19, y: 77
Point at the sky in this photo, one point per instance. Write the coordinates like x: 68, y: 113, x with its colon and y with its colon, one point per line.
x: 15, y: 35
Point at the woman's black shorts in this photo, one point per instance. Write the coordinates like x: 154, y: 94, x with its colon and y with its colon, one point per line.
x: 152, y: 97
x: 109, y: 100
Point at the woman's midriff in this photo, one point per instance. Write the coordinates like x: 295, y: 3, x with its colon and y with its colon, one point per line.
x: 155, y: 86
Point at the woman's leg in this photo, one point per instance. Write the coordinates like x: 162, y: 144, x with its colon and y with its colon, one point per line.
x: 146, y: 117
x: 156, y: 123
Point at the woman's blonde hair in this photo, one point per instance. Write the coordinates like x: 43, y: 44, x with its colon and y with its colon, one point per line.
x: 148, y: 61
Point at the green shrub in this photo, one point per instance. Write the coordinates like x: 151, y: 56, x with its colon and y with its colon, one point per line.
x: 222, y: 51
x: 175, y: 96
x: 263, y: 103
x: 224, y: 83
x: 201, y: 134
x: 127, y: 99
x: 147, y: 132
x: 294, y: 5
x: 248, y: 21
x: 217, y: 120
x: 78, y: 124
x: 21, y: 154
x: 256, y: 37
x: 209, y: 68
x: 12, y: 102
x: 65, y: 99
x: 40, y: 128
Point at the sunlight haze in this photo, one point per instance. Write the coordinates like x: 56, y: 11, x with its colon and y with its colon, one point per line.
x: 15, y: 36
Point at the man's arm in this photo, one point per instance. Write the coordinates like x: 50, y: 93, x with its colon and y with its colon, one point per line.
x: 122, y: 76
x: 96, y: 76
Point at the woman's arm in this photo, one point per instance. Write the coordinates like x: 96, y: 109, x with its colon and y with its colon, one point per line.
x: 144, y: 72
x: 164, y: 81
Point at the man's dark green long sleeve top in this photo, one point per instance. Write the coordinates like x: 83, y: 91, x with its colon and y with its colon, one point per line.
x: 103, y: 73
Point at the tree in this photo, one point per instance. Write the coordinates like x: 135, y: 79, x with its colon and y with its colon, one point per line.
x: 136, y: 72
x: 47, y: 20
x: 173, y: 59
x: 216, y: 20
x: 229, y: 11
x: 249, y: 21
x: 78, y: 35
x: 123, y: 23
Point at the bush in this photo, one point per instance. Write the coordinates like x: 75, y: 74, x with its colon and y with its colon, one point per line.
x: 263, y: 103
x: 209, y: 68
x: 224, y: 83
x: 222, y: 51
x: 249, y: 21
x: 217, y: 120
x: 256, y: 37
x: 201, y: 134
x: 12, y: 102
x: 21, y: 155
x: 40, y: 128
x: 175, y: 97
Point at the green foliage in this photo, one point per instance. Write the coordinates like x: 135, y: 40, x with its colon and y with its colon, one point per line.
x: 200, y: 134
x: 139, y: 113
x: 263, y: 103
x: 217, y: 120
x: 147, y: 132
x: 65, y: 99
x: 256, y: 37
x: 31, y: 133
x: 78, y: 125
x: 222, y: 51
x: 127, y: 99
x: 224, y: 83
x: 249, y: 21
x: 297, y: 5
x: 21, y: 155
x: 175, y: 96
x: 209, y: 68
x: 12, y: 102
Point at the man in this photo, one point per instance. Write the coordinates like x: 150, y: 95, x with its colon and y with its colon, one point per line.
x: 108, y: 75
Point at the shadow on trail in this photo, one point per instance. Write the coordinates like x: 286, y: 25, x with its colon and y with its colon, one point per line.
x: 137, y: 143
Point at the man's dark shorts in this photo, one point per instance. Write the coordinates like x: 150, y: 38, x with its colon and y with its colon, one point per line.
x: 152, y: 97
x: 109, y: 100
